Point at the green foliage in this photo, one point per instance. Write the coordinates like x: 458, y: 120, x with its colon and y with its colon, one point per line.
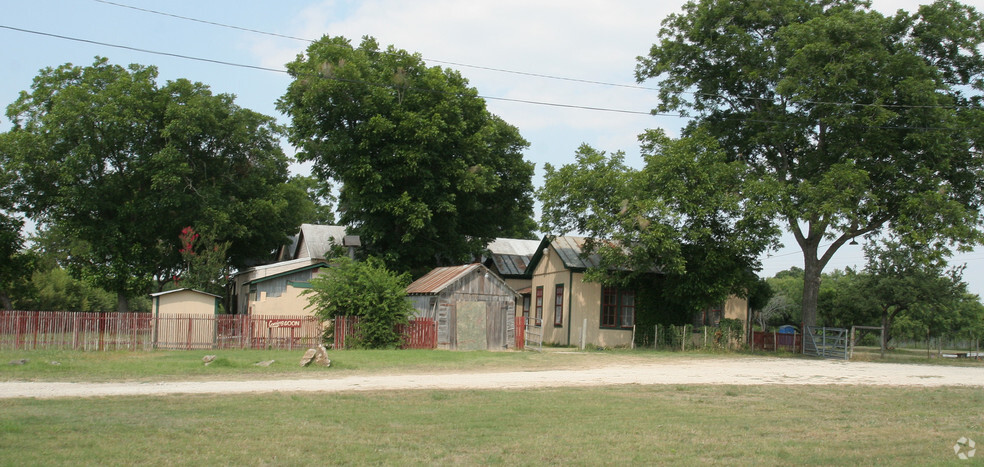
x: 905, y: 280
x: 319, y: 209
x: 427, y: 175
x: 114, y: 166
x: 854, y: 122
x: 49, y: 287
x: 367, y: 290
x: 206, y: 264
x: 686, y: 215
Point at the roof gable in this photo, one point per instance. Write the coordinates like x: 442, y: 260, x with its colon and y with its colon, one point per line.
x: 439, y: 279
x: 314, y: 241
x: 167, y: 292
x: 569, y: 249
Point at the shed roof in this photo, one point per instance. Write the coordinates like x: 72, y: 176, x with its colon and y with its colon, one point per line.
x: 158, y: 294
x: 439, y: 278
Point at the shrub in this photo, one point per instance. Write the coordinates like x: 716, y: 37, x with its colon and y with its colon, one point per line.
x: 367, y: 290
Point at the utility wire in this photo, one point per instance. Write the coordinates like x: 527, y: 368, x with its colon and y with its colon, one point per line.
x: 503, y: 99
x: 279, y: 70
x: 302, y: 39
x: 531, y: 74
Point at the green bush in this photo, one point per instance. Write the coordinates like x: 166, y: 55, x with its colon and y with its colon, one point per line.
x: 367, y: 290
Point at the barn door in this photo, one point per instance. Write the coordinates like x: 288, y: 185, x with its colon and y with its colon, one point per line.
x: 472, y: 322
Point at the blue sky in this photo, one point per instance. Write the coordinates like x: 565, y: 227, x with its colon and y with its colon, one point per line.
x: 584, y: 40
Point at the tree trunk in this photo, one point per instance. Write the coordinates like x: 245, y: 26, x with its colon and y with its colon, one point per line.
x: 122, y: 304
x: 5, y: 303
x: 811, y: 287
x: 884, y: 334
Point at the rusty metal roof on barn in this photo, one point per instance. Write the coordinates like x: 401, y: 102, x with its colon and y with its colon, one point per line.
x: 511, y: 256
x: 439, y: 278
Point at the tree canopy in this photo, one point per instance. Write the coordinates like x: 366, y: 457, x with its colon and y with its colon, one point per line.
x: 427, y: 175
x: 115, y: 166
x: 689, y: 214
x: 859, y: 123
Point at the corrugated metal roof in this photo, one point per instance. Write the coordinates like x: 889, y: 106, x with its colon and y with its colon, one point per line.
x: 318, y: 239
x: 158, y: 294
x: 511, y: 256
x: 571, y: 249
x: 435, y: 281
x: 513, y: 246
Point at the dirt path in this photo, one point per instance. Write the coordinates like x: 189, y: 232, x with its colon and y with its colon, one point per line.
x: 740, y: 371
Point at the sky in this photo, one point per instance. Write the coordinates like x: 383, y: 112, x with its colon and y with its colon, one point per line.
x: 575, y: 58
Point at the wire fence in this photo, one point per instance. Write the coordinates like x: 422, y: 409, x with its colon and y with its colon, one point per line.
x: 688, y: 337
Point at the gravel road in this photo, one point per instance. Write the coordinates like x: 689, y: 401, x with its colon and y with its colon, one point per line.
x: 737, y: 371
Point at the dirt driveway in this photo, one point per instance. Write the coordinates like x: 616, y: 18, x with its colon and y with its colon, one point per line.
x: 739, y: 371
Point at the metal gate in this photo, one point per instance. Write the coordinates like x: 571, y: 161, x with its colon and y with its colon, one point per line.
x: 534, y: 336
x: 826, y: 342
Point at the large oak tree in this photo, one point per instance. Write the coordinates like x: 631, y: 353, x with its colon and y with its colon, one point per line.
x: 862, y: 123
x: 115, y: 166
x: 690, y: 215
x: 427, y: 175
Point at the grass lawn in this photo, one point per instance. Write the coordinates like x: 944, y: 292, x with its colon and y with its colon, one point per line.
x: 619, y: 425
x: 186, y: 365
x: 622, y: 425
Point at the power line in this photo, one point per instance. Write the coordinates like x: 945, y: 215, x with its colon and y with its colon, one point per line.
x: 278, y: 70
x: 302, y: 39
x: 531, y: 74
x: 503, y: 99
x: 137, y: 49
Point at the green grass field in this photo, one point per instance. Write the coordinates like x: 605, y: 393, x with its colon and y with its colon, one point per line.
x: 624, y: 425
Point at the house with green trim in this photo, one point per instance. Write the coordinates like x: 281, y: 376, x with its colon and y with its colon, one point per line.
x: 572, y: 311
x: 275, y: 289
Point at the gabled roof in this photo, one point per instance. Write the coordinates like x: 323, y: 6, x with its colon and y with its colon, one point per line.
x: 271, y: 269
x: 317, y: 265
x: 511, y: 256
x: 287, y: 252
x: 569, y: 249
x: 439, y: 279
x: 158, y: 294
x: 314, y: 241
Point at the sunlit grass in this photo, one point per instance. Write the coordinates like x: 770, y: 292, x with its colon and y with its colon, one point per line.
x: 748, y: 425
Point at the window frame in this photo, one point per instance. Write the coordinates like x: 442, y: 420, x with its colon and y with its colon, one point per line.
x: 615, y: 307
x: 538, y: 318
x: 559, y: 305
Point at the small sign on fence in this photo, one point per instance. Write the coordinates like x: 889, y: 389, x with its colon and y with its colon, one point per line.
x: 284, y: 323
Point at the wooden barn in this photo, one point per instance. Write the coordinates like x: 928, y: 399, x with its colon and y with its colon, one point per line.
x: 474, y: 308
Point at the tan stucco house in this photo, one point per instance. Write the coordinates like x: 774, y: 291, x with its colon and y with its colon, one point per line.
x: 275, y: 289
x: 570, y: 310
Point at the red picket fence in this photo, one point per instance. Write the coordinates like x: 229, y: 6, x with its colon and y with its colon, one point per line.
x: 520, y: 332
x: 420, y: 333
x: 29, y: 330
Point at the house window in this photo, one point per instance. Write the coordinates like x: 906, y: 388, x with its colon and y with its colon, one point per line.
x: 539, y: 306
x: 526, y: 306
x: 617, y: 308
x: 559, y: 305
